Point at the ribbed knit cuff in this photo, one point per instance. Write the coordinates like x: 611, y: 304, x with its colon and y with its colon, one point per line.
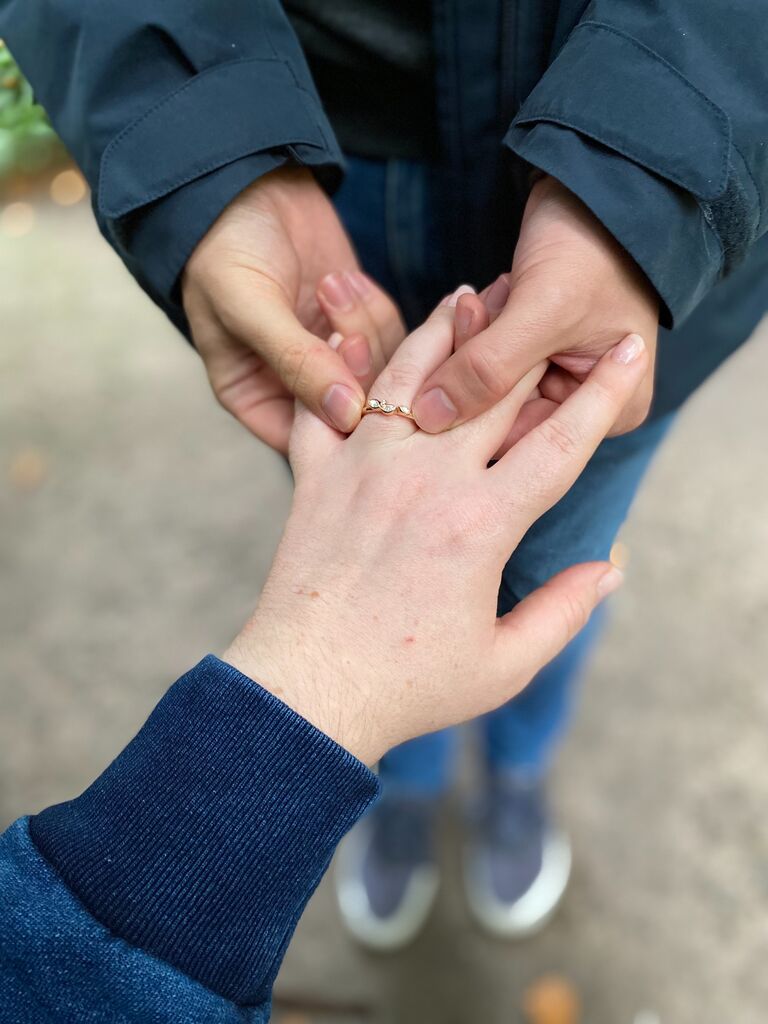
x: 204, y: 839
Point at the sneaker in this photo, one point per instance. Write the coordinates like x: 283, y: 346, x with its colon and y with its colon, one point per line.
x: 517, y: 864
x: 386, y: 873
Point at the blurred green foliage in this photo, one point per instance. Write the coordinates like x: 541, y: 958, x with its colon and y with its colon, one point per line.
x: 28, y: 144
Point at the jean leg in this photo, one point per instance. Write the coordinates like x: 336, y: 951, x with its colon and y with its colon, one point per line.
x: 422, y: 766
x: 361, y: 203
x: 522, y: 735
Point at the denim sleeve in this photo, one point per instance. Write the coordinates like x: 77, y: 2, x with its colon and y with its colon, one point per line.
x: 170, y: 109
x: 655, y: 116
x: 168, y: 891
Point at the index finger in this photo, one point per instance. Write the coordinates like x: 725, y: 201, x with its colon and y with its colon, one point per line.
x: 543, y: 465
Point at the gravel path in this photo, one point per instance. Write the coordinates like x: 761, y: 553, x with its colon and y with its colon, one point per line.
x: 137, y: 524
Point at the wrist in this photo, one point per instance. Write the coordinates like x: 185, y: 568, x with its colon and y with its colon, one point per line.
x: 309, y: 678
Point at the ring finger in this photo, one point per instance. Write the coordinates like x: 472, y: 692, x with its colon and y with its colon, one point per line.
x: 422, y: 352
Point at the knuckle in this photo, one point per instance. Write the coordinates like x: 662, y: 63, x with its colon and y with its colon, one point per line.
x: 482, y: 372
x: 605, y: 395
x: 292, y: 365
x: 400, y: 373
x: 563, y: 438
x: 574, y: 614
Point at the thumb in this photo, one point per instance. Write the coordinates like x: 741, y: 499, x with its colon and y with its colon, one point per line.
x: 306, y: 365
x: 483, y: 369
x: 535, y: 631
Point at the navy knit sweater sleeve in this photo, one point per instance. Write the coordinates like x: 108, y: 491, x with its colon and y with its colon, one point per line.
x: 168, y: 891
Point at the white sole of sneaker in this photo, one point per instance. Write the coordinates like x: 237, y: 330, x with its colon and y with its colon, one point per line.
x: 535, y: 908
x: 381, y: 935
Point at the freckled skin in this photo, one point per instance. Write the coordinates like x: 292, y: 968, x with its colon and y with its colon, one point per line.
x: 315, y: 593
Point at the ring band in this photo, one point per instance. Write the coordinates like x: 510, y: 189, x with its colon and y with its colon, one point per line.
x: 387, y: 409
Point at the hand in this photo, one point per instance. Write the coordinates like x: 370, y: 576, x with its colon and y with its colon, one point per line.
x: 378, y: 620
x: 571, y: 295
x: 259, y: 298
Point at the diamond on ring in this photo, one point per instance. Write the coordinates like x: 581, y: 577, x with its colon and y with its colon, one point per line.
x: 387, y: 408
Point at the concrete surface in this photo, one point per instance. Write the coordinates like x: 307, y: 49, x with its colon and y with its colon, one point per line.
x: 137, y: 524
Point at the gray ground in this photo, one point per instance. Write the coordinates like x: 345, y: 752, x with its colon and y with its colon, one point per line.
x: 137, y: 524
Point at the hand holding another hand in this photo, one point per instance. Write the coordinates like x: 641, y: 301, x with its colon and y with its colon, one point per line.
x: 378, y: 620
x: 573, y: 292
x: 271, y: 279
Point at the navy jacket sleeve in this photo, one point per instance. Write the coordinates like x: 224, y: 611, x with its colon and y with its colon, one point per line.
x: 171, y: 109
x: 655, y: 114
x: 168, y: 891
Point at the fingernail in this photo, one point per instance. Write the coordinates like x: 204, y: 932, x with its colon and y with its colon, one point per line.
x: 629, y: 349
x: 335, y: 340
x: 434, y: 411
x: 357, y: 355
x: 611, y: 581
x: 463, y: 320
x: 338, y: 292
x: 342, y: 407
x: 361, y: 283
x: 496, y: 298
x: 463, y: 289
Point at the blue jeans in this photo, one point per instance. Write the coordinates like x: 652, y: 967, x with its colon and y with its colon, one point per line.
x: 393, y: 213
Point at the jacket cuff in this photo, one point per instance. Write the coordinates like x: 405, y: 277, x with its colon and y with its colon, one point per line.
x: 648, y: 153
x: 161, y: 185
x: 202, y: 842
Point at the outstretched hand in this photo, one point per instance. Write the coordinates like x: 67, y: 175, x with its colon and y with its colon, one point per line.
x: 378, y: 620
x: 271, y: 279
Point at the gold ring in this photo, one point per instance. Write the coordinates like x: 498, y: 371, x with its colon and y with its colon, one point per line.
x: 387, y: 409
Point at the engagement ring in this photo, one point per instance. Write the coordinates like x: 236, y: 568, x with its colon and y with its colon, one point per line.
x: 387, y: 408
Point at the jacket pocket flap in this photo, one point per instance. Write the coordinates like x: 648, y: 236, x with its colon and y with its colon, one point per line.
x: 612, y: 88
x: 224, y: 113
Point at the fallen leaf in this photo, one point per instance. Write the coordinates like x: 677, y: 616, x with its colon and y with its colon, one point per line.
x: 28, y: 469
x: 551, y: 1000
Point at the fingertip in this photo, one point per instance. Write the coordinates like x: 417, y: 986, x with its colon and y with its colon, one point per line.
x: 628, y: 350
x: 497, y: 295
x: 470, y: 318
x: 356, y: 353
x: 463, y: 289
x: 609, y: 582
x: 342, y: 407
x: 434, y: 411
x: 361, y: 283
x: 336, y: 292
